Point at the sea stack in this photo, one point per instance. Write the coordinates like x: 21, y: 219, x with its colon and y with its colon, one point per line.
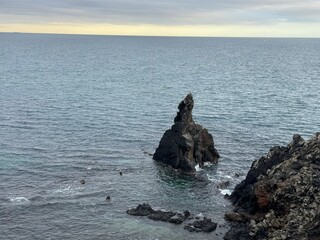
x: 186, y: 144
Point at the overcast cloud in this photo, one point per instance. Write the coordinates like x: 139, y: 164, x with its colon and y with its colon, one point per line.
x: 165, y: 12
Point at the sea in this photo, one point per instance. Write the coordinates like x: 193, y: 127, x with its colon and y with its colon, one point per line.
x: 77, y: 107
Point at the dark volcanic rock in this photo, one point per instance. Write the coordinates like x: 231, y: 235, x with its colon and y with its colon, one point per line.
x: 234, y: 217
x: 238, y: 231
x: 205, y: 225
x: 223, y: 185
x: 142, y: 210
x: 186, y: 144
x: 178, y: 218
x: 159, y: 215
x: 314, y: 233
x: 280, y: 196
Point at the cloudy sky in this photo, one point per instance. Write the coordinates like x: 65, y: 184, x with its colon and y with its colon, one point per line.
x: 291, y: 18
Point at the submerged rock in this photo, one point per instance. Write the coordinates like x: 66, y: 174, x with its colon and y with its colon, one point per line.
x: 186, y: 144
x: 223, y: 185
x: 280, y: 197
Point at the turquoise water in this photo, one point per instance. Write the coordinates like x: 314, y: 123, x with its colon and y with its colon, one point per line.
x: 87, y: 107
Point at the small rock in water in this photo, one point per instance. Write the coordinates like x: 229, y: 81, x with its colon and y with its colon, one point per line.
x: 205, y: 225
x: 202, y: 225
x: 187, y: 214
x: 233, y: 216
x: 223, y: 185
x: 192, y: 228
x: 82, y: 181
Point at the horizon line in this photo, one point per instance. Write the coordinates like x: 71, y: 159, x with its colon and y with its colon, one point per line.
x: 164, y: 36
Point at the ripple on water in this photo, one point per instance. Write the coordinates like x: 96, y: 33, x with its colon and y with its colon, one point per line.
x: 80, y: 107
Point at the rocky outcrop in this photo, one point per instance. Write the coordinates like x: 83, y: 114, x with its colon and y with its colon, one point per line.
x: 159, y: 215
x: 199, y: 225
x: 141, y: 210
x: 280, y: 197
x: 204, y: 225
x: 186, y: 144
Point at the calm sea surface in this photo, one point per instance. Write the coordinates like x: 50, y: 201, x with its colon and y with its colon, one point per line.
x: 87, y: 107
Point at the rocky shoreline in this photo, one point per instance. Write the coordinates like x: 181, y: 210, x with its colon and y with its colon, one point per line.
x: 278, y: 200
x: 280, y: 197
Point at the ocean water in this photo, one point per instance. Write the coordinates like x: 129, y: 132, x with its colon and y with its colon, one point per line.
x: 88, y: 107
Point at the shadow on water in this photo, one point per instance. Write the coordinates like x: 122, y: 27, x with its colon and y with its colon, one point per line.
x: 178, y: 179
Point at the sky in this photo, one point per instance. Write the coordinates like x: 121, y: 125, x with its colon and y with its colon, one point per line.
x: 224, y: 18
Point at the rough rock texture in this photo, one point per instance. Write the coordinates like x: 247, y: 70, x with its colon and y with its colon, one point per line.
x: 142, y: 210
x: 159, y: 215
x: 280, y: 197
x: 205, y: 225
x: 199, y: 225
x: 186, y: 144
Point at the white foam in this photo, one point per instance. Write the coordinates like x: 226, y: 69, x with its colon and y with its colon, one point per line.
x: 199, y: 215
x: 67, y: 190
x: 63, y: 190
x: 198, y: 169
x: 19, y: 200
x: 211, y: 179
x: 207, y: 164
x: 224, y: 175
x: 225, y: 191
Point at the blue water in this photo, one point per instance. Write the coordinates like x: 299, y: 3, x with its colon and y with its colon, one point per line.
x: 87, y: 107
